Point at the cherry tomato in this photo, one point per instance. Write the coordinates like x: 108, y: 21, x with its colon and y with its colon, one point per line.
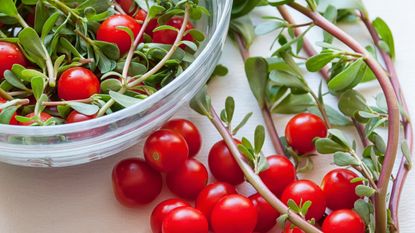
x: 279, y: 175
x: 13, y: 120
x: 153, y: 24
x: 166, y: 150
x: 211, y: 194
x: 234, y: 214
x: 267, y: 215
x: 340, y: 192
x: 135, y: 182
x: 75, y: 117
x: 169, y: 36
x: 302, y: 129
x: 223, y: 166
x: 141, y: 15
x: 343, y: 221
x: 189, y: 131
x: 304, y: 190
x: 188, y: 180
x: 109, y: 32
x: 185, y: 219
x: 161, y: 211
x: 10, y: 54
x: 43, y: 117
x: 128, y: 6
x: 292, y: 229
x: 77, y: 83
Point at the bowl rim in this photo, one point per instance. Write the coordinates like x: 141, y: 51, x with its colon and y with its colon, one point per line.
x: 134, y: 109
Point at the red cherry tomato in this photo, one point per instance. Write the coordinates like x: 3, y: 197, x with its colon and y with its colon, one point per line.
x: 302, y: 129
x: 223, y: 166
x: 185, y: 219
x: 211, y: 194
x: 340, y: 192
x: 135, y: 183
x: 234, y: 214
x: 189, y: 131
x: 343, y: 221
x: 162, y: 210
x: 169, y: 36
x: 279, y: 175
x: 43, y: 117
x: 75, y: 117
x: 10, y: 54
x: 109, y: 32
x: 304, y: 190
x: 166, y: 150
x: 77, y: 83
x: 141, y: 15
x: 151, y: 26
x: 292, y: 229
x: 128, y: 6
x: 267, y: 215
x: 188, y: 180
x: 13, y: 120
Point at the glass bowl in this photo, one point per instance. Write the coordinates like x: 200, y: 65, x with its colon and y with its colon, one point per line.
x: 73, y: 144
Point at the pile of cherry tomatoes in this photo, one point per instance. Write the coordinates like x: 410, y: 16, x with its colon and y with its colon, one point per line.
x: 218, y: 206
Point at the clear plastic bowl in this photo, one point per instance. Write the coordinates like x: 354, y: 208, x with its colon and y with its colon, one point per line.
x: 73, y: 144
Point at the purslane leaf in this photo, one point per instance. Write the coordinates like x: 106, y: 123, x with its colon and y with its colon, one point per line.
x: 256, y: 69
x: 385, y: 34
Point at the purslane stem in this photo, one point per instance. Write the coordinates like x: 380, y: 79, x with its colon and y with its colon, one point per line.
x: 324, y: 72
x: 393, y: 109
x: 254, y: 179
x: 57, y: 103
x: 5, y: 95
x: 407, y: 125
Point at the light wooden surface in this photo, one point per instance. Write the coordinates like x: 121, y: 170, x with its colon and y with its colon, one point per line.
x: 79, y: 199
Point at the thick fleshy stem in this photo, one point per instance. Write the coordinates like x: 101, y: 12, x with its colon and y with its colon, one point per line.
x: 406, y: 122
x: 266, y: 114
x: 5, y: 95
x: 255, y: 180
x: 310, y: 51
x: 393, y: 110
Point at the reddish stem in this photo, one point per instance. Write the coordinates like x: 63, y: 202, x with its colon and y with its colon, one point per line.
x: 256, y: 181
x: 272, y: 131
x: 310, y: 51
x: 407, y: 125
x: 393, y: 109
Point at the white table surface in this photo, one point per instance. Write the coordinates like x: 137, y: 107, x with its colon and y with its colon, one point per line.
x: 79, y: 199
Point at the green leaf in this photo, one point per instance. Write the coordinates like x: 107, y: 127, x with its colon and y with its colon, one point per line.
x: 344, y: 159
x: 348, y: 78
x: 6, y: 114
x: 306, y: 206
x: 328, y: 146
x: 242, y: 123
x: 363, y: 209
x: 8, y: 8
x: 49, y: 24
x: 341, y: 4
x: 364, y: 191
x: 294, y: 104
x: 259, y: 138
x: 246, y: 152
x: 378, y: 142
x: 279, y: 2
x: 110, y: 85
x: 385, y: 34
x: 155, y: 10
x: 14, y: 81
x: 284, y: 79
x: 33, y: 46
x: 241, y: 7
x: 86, y: 109
x: 330, y: 14
x: 282, y: 219
x: 229, y: 108
x: 267, y: 27
x: 202, y: 102
x: 262, y: 164
x: 335, y: 117
x: 38, y: 86
x: 124, y: 100
x: 256, y: 69
x: 39, y: 107
x: 244, y: 28
x: 317, y: 62
x: 351, y: 102
x: 338, y: 136
x: 293, y: 206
